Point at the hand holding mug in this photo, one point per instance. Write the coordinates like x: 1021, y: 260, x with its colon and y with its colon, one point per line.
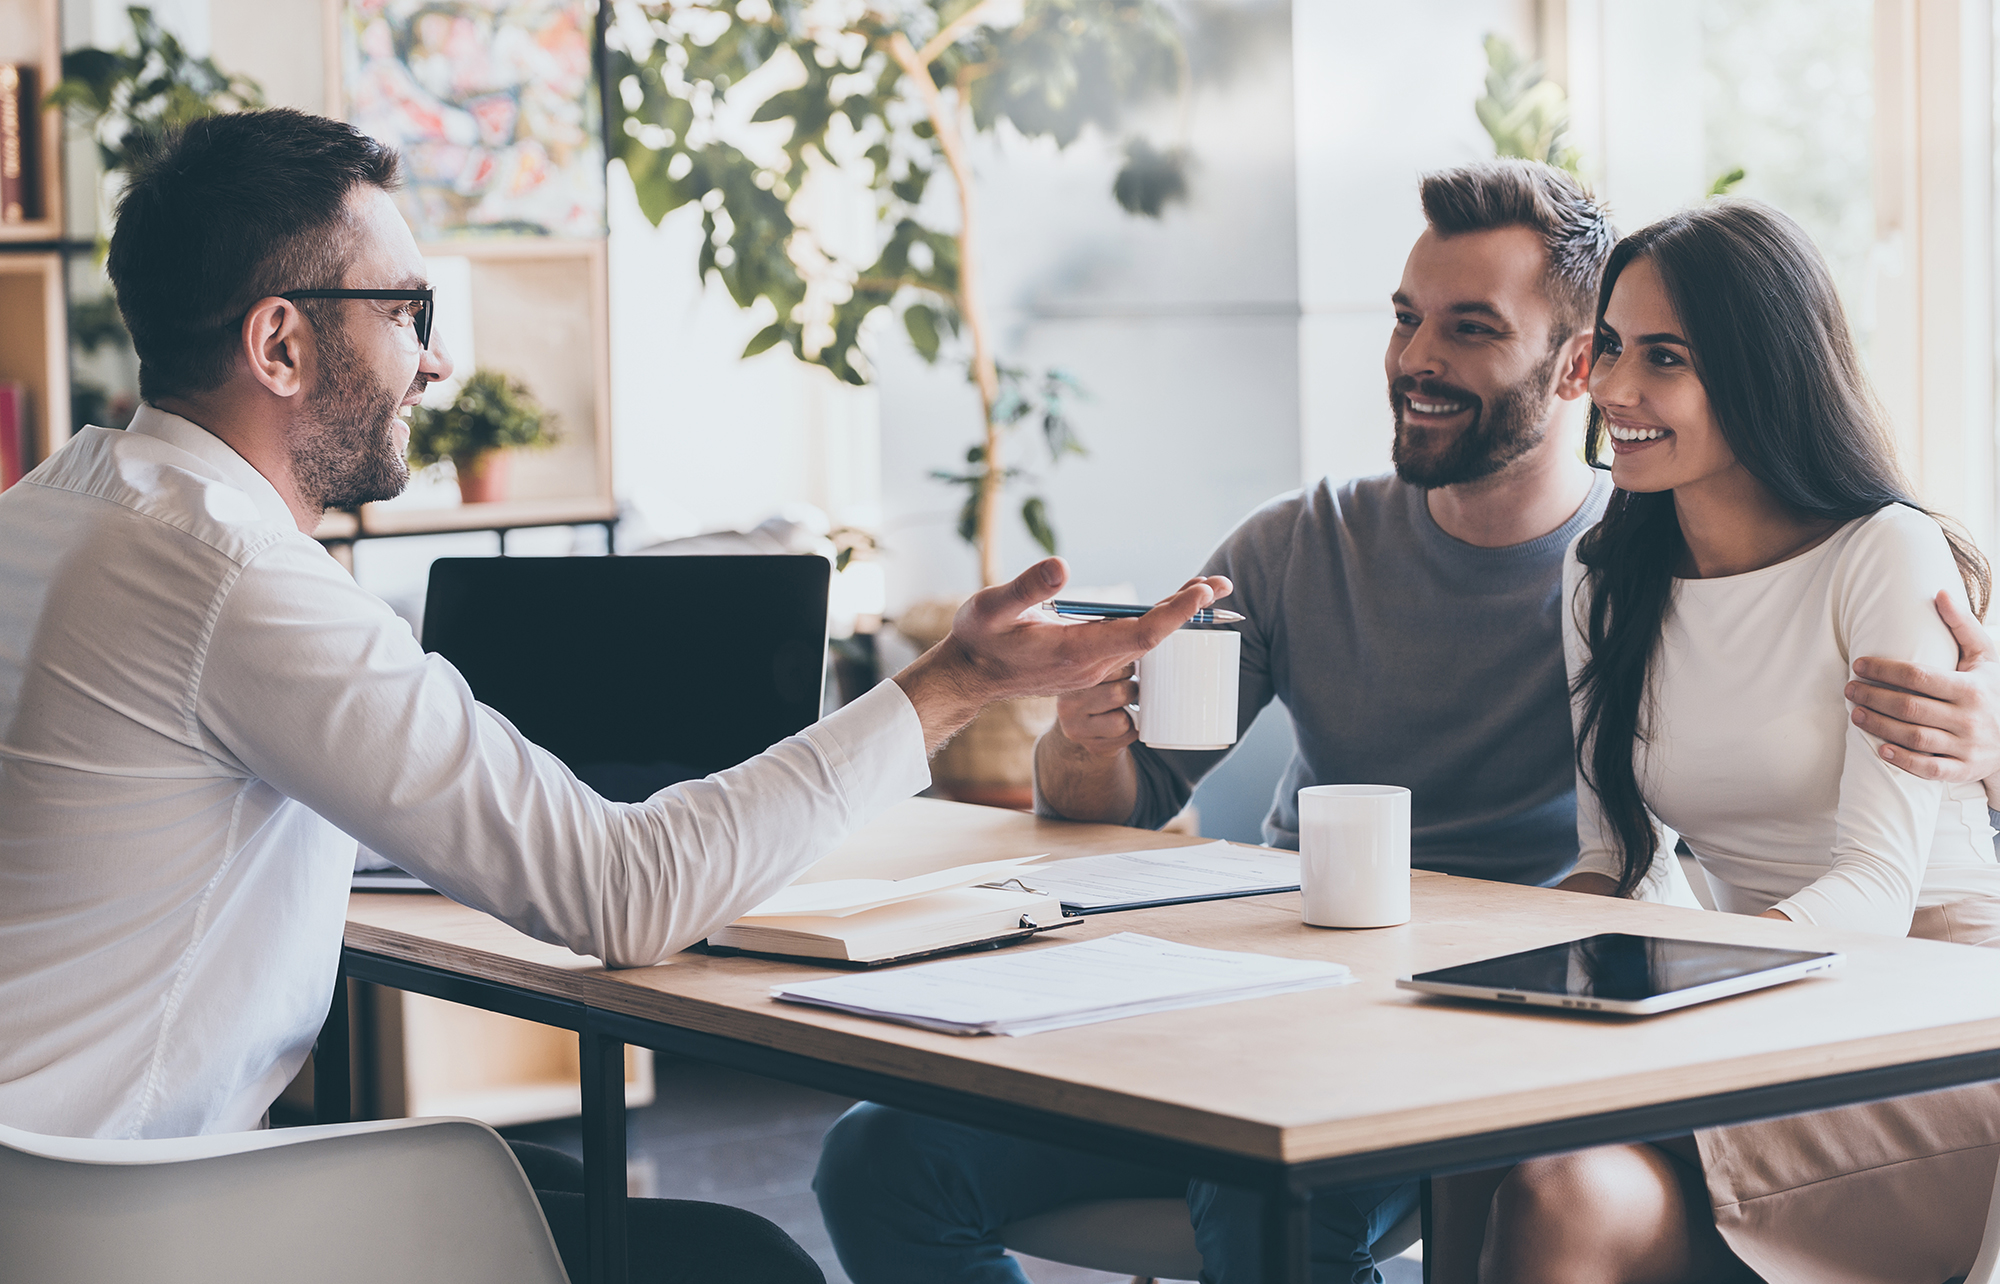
x: 1096, y: 719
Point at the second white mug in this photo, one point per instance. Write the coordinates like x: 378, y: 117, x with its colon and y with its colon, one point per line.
x: 1187, y: 690
x: 1354, y: 855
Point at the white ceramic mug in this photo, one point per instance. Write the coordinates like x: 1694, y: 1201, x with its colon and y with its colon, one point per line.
x: 1187, y: 690
x: 1354, y: 855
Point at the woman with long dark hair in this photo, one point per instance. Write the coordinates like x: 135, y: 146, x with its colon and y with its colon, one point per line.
x: 1761, y: 538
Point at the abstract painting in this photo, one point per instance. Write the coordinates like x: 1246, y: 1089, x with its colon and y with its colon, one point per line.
x: 493, y: 105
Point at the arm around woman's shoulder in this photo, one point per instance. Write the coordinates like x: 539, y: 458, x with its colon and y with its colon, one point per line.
x: 1883, y: 580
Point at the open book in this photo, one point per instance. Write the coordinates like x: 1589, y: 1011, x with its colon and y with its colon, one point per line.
x: 864, y: 921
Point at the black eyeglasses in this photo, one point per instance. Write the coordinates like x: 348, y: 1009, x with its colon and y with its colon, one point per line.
x: 421, y: 319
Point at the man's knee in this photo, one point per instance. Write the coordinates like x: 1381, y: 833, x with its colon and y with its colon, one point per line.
x: 871, y: 1146
x: 878, y: 1162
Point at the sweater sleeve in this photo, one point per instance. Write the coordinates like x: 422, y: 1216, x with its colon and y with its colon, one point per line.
x: 1883, y: 593
x: 1253, y: 556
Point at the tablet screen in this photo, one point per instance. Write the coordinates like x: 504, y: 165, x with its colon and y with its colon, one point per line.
x: 1619, y: 966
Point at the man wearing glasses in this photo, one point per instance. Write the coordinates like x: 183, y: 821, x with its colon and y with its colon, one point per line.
x: 201, y: 712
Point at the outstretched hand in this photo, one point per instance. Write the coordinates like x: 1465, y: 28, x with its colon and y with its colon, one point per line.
x: 1936, y: 724
x: 1002, y: 644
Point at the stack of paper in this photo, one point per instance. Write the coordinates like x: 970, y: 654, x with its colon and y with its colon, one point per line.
x: 1165, y: 876
x: 1023, y: 992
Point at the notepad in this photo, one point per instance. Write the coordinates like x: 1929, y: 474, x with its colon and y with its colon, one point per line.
x: 1164, y: 876
x: 1026, y: 992
x: 952, y: 919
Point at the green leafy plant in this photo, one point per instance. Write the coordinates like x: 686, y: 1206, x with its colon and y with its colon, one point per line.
x: 1525, y: 113
x: 1021, y: 398
x: 127, y: 99
x: 742, y: 108
x: 492, y: 411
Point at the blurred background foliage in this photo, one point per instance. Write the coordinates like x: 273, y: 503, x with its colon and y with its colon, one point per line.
x: 769, y: 113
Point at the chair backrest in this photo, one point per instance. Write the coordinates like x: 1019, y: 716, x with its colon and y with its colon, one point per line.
x: 435, y: 1200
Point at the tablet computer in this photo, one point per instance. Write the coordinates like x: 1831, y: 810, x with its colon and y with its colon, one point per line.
x: 1619, y: 972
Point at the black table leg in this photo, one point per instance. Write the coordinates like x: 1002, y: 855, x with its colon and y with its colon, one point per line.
x: 1424, y: 1221
x: 1287, y: 1236
x: 333, y: 1093
x: 602, y: 1060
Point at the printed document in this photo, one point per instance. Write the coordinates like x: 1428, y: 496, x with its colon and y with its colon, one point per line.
x: 1026, y: 991
x: 1164, y: 876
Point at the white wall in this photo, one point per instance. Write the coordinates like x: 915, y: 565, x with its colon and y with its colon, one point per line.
x: 1182, y: 330
x: 1385, y: 92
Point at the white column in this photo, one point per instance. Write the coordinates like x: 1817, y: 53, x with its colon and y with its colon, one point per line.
x: 1934, y: 364
x: 1383, y: 92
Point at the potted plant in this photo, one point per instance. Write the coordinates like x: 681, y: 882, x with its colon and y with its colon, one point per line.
x: 493, y: 415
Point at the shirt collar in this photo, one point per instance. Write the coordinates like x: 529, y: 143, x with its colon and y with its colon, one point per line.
x: 225, y: 463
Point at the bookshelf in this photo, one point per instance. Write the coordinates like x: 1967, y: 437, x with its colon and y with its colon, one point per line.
x: 412, y: 1056
x: 34, y: 341
x: 31, y: 36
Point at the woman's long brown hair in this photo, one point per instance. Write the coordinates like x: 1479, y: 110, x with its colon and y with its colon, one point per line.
x: 1772, y: 349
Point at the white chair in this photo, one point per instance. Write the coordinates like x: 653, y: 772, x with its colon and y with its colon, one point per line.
x: 1148, y: 1238
x: 435, y: 1200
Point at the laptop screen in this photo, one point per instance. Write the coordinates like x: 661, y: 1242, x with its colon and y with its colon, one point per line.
x: 638, y: 671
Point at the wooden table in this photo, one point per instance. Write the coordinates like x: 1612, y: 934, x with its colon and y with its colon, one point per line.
x: 1284, y: 1095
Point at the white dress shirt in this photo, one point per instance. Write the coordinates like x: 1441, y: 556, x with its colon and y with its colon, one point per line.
x: 1751, y: 754
x: 200, y: 714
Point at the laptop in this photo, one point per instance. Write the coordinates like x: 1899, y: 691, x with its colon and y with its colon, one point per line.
x: 637, y: 672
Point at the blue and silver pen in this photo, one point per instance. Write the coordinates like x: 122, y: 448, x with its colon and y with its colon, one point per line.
x: 1125, y: 610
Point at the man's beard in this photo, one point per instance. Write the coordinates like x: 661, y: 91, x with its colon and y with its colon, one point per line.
x: 1512, y: 424
x: 346, y: 455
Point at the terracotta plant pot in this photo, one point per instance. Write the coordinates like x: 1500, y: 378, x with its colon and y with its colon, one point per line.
x: 484, y: 478
x: 992, y: 761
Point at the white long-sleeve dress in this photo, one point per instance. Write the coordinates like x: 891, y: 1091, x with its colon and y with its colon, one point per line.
x: 1750, y: 754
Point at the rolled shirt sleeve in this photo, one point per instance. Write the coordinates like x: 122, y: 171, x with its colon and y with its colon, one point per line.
x: 313, y: 686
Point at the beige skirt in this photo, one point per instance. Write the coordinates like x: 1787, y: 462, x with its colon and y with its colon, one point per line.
x: 1895, y: 1192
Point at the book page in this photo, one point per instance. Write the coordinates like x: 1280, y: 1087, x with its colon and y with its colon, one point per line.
x: 843, y: 896
x: 1172, y: 873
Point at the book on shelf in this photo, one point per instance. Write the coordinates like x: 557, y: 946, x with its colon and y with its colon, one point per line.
x: 20, y: 201
x: 15, y: 446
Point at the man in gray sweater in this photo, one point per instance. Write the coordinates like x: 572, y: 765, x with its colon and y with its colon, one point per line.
x: 1409, y: 624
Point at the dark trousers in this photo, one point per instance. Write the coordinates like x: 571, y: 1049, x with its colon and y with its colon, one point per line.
x: 668, y: 1241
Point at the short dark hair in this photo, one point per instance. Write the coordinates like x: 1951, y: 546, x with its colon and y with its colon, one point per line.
x: 222, y: 212
x: 1574, y: 226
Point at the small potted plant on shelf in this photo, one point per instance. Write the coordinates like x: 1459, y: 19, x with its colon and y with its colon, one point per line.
x: 492, y: 416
